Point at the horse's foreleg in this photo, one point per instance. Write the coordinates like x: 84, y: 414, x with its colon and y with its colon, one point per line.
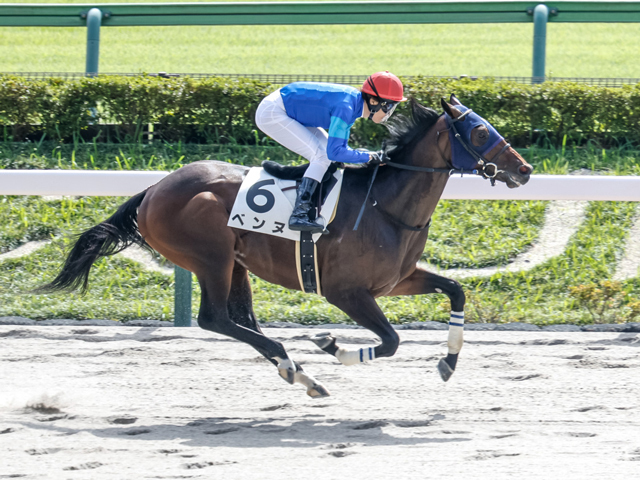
x: 421, y: 282
x: 240, y: 308
x: 363, y: 309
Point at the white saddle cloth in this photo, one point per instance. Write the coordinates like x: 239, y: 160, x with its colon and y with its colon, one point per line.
x: 264, y: 204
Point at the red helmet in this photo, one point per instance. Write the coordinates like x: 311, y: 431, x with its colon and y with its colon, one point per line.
x: 384, y: 85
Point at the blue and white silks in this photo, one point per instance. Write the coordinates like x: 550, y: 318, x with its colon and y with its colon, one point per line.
x: 334, y: 108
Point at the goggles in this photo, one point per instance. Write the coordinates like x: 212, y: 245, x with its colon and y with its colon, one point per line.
x: 388, y: 106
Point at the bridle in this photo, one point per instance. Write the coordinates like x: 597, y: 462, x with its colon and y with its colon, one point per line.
x: 482, y: 162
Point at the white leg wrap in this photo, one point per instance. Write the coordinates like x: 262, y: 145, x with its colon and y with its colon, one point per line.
x: 305, y: 379
x: 456, y: 329
x: 286, y: 364
x: 353, y: 357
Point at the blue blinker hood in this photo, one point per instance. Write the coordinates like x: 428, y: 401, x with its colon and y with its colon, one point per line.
x: 469, y: 157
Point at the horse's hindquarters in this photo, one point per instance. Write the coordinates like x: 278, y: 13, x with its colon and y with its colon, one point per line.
x: 184, y: 216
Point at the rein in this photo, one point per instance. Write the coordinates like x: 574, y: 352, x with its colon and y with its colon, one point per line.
x: 481, y: 160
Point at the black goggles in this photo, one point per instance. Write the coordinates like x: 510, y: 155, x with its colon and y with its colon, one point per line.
x: 387, y: 105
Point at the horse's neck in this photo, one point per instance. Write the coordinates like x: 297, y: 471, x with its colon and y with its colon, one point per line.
x: 410, y: 196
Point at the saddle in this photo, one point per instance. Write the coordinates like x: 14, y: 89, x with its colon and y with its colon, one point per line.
x: 296, y: 173
x: 288, y: 172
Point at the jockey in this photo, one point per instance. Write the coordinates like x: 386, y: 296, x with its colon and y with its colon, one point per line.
x: 298, y: 116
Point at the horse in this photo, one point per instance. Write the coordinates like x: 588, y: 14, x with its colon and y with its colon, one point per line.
x: 184, y: 217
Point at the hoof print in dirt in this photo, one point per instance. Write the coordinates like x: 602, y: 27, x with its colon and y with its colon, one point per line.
x: 84, y: 466
x: 340, y: 453
x: 413, y: 423
x: 53, y: 418
x: 521, y: 378
x: 197, y: 465
x: 221, y: 431
x: 41, y: 451
x: 370, y: 425
x: 136, y: 431
x: 123, y: 420
x: 275, y: 407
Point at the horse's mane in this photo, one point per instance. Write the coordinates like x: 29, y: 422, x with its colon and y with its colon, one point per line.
x: 406, y: 132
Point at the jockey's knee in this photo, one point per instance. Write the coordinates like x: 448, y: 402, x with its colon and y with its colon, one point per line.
x: 389, y: 345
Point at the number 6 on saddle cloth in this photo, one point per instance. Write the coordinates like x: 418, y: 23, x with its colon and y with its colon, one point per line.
x: 264, y: 204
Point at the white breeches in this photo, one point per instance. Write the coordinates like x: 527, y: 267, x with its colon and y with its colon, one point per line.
x: 308, y: 142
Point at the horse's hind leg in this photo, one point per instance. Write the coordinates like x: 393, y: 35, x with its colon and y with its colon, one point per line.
x: 240, y: 302
x: 235, y: 318
x: 363, y: 309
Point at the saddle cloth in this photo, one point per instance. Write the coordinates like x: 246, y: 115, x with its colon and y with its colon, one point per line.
x: 264, y: 204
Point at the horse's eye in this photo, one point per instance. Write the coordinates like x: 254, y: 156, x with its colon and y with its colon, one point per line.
x: 481, y: 136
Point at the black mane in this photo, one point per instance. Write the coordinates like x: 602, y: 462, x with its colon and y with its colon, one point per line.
x: 406, y: 132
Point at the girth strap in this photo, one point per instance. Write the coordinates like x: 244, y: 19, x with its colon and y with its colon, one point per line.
x: 307, y: 264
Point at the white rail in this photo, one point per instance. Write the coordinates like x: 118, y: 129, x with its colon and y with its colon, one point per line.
x: 126, y: 183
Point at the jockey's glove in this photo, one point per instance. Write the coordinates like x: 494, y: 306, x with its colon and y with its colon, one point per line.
x: 376, y: 158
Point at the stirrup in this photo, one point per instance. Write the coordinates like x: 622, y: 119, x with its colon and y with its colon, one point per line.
x: 306, y: 226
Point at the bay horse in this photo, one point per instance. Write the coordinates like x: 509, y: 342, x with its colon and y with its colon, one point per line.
x: 184, y: 217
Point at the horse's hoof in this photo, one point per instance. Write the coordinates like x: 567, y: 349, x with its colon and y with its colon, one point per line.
x: 323, y: 340
x: 318, y: 391
x: 445, y: 370
x: 288, y: 375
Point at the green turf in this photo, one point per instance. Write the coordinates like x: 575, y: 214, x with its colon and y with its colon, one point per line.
x: 573, y: 50
x: 458, y: 238
x: 121, y: 289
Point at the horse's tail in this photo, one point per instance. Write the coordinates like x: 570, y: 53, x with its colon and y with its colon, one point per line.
x: 107, y: 238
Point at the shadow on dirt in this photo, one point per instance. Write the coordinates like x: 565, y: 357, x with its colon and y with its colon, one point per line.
x: 241, y: 433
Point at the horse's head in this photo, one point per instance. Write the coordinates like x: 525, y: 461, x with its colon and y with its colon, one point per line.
x: 475, y: 144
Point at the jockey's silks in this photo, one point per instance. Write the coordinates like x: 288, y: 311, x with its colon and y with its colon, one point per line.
x: 332, y: 107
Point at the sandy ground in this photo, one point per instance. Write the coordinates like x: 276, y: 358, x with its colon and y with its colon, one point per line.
x: 130, y: 402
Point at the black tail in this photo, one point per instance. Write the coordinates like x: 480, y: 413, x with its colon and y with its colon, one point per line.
x: 107, y: 238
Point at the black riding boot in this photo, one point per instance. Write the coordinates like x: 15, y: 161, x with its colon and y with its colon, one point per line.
x: 300, y: 217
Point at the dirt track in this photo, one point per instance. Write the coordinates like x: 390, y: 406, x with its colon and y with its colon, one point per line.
x: 531, y: 404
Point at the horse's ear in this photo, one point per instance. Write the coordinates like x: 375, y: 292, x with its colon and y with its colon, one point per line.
x: 454, y: 100
x: 449, y: 109
x: 445, y: 106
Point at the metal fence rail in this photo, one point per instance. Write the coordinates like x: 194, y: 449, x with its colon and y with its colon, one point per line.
x: 283, y: 79
x: 317, y: 13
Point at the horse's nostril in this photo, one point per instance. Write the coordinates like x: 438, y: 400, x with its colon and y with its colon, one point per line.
x: 525, y: 170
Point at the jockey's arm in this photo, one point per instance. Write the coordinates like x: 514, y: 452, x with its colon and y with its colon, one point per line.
x: 337, y: 148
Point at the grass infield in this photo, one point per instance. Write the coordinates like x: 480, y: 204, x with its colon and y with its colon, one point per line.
x: 122, y: 289
x: 573, y: 50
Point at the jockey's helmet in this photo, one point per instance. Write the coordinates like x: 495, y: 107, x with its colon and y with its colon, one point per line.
x: 387, y: 89
x: 384, y: 85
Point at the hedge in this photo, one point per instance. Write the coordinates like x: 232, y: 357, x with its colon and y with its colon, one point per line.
x: 218, y: 110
